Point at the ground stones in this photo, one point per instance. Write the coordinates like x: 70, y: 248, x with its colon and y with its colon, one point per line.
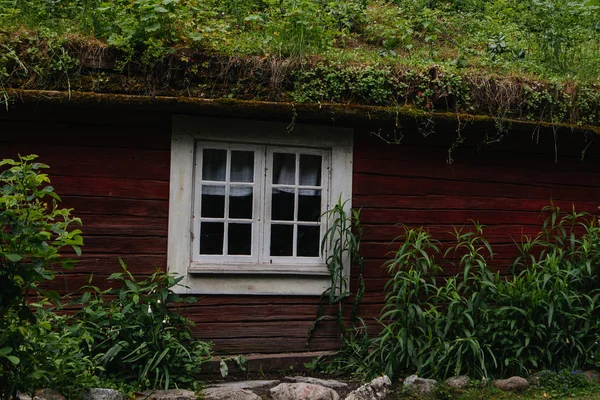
x: 330, y: 383
x: 377, y: 389
x: 228, y: 393
x: 303, y: 391
x: 419, y: 386
x: 102, y: 394
x: 458, y: 382
x: 512, y: 384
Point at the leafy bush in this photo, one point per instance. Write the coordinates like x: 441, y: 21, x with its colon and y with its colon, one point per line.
x: 482, y: 324
x: 51, y: 353
x: 32, y: 232
x: 138, y: 336
x: 37, y: 347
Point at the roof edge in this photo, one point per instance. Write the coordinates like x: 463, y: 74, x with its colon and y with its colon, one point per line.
x: 342, y: 114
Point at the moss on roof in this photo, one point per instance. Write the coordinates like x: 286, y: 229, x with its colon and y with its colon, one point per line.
x: 535, y: 61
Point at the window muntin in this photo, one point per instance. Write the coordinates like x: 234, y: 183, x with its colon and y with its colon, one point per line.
x: 297, y: 190
x: 259, y: 204
x: 226, y: 206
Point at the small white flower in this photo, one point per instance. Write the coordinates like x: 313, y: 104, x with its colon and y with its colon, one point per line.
x: 149, y: 309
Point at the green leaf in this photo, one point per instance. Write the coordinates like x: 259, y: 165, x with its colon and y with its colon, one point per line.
x: 13, y: 257
x: 5, y: 350
x: 152, y: 28
x: 223, y: 368
x: 14, y: 360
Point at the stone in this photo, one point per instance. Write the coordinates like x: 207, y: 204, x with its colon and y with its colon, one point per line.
x: 458, y: 382
x: 23, y: 396
x: 419, y: 386
x: 102, y: 394
x: 172, y: 394
x: 303, y: 391
x: 534, y: 379
x: 48, y: 394
x: 244, y: 384
x: 330, y: 383
x: 228, y: 393
x: 512, y: 384
x: 592, y: 376
x: 377, y: 389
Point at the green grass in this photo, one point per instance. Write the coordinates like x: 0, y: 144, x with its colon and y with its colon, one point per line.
x: 556, y: 39
x: 525, y: 59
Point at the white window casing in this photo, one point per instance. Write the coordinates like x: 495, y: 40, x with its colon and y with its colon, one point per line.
x: 258, y: 272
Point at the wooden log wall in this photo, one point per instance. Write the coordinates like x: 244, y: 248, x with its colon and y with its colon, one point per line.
x: 113, y: 169
x: 503, y: 186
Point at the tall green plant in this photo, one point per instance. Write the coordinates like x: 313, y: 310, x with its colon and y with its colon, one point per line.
x: 480, y: 323
x: 341, y: 244
x: 33, y: 230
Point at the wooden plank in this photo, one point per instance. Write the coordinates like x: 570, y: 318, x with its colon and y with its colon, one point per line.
x: 457, y: 202
x: 385, y: 185
x: 552, y: 175
x: 501, y: 233
x: 103, y: 206
x: 448, y: 217
x: 298, y: 329
x: 121, y: 225
x: 272, y: 345
x: 111, y: 187
x: 125, y: 244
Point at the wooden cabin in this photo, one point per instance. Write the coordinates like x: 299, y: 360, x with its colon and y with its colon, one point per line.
x: 230, y: 193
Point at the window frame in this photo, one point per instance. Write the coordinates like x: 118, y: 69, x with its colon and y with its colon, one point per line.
x: 222, y: 276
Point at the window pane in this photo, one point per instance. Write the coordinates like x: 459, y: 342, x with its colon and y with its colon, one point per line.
x: 309, y: 205
x: 284, y: 169
x: 239, y: 239
x: 240, y: 202
x: 309, y: 241
x: 211, y: 238
x: 282, y: 240
x: 310, y: 170
x: 242, y: 166
x: 282, y: 205
x: 213, y: 201
x: 214, y: 164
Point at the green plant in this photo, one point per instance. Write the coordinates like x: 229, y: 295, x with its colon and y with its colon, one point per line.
x: 564, y: 383
x: 32, y: 232
x: 138, y: 334
x: 481, y: 324
x: 341, y: 246
x: 52, y: 353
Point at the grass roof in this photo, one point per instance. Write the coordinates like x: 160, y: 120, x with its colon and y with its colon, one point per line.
x: 510, y: 60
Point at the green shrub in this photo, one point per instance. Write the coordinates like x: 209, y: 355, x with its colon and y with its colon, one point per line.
x: 483, y: 324
x: 138, y: 335
x: 32, y: 232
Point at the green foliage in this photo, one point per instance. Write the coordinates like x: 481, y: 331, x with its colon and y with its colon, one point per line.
x: 33, y: 229
x: 341, y: 245
x: 533, y: 59
x: 49, y: 354
x: 132, y: 337
x: 137, y: 333
x: 563, y: 383
x: 480, y: 323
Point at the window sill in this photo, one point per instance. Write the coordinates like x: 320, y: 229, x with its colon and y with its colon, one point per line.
x: 253, y: 284
x: 258, y: 269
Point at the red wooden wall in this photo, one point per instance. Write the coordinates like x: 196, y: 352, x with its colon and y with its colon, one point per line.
x: 112, y: 167
x: 503, y: 186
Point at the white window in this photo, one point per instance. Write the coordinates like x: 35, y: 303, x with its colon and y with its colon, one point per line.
x: 247, y: 201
